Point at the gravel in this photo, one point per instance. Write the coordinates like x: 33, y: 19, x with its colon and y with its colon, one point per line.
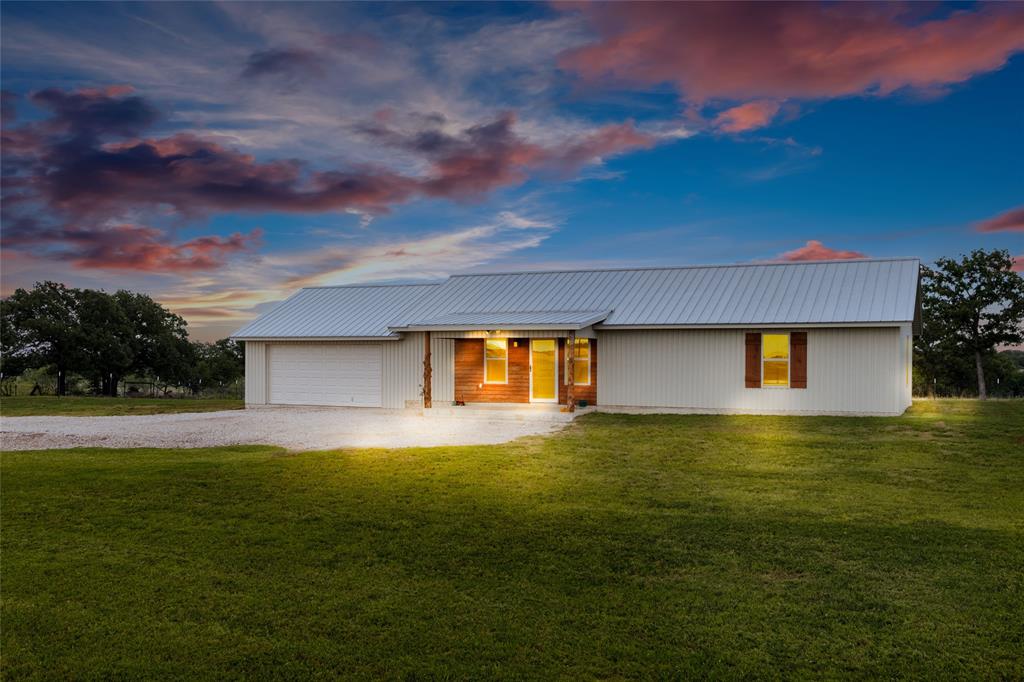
x: 292, y: 428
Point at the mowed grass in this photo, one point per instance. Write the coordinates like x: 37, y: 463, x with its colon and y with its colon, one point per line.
x: 77, y: 406
x: 623, y: 547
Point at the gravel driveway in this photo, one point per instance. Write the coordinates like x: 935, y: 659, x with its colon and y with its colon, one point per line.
x: 293, y: 428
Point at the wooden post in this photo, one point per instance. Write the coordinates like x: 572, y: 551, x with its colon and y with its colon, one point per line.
x: 427, y: 371
x: 570, y: 368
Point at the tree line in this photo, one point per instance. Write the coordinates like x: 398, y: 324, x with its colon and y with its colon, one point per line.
x: 105, y: 338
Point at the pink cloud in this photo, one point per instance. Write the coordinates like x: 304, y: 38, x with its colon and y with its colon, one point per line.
x: 1018, y: 263
x: 1008, y: 221
x: 134, y: 247
x: 815, y: 250
x: 747, y: 116
x: 129, y: 247
x: 745, y: 51
x: 801, y: 50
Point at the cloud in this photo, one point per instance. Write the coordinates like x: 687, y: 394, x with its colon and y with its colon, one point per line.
x: 96, y: 111
x: 815, y: 250
x: 196, y: 176
x: 1018, y: 263
x: 421, y: 257
x: 128, y: 247
x: 291, y: 63
x: 221, y: 302
x: 66, y: 164
x: 82, y: 188
x: 747, y: 116
x: 726, y: 51
x: 1008, y: 221
x: 480, y: 158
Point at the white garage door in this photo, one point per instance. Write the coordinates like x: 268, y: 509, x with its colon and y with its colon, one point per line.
x: 325, y: 374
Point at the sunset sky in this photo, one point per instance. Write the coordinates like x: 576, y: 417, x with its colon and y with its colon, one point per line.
x: 218, y: 156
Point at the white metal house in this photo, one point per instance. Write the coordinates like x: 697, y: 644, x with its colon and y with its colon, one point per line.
x: 830, y: 337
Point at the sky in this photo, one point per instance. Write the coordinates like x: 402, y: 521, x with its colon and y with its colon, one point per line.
x: 218, y: 156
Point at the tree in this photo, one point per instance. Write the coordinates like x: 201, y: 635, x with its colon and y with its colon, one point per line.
x: 218, y: 364
x: 99, y: 335
x: 159, y: 342
x: 106, y: 333
x: 970, y: 306
x: 42, y: 327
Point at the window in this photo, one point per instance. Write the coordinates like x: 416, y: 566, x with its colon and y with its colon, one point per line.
x: 581, y: 375
x: 775, y: 359
x: 495, y: 361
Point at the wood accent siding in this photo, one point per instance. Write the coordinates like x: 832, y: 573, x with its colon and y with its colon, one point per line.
x: 798, y: 358
x: 588, y: 393
x: 469, y: 374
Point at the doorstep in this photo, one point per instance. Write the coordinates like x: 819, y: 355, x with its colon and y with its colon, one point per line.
x: 510, y: 411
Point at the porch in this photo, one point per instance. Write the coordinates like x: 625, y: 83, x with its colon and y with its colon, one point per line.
x: 505, y: 360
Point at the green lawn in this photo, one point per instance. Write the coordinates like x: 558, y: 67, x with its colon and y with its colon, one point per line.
x: 625, y: 546
x: 36, y: 406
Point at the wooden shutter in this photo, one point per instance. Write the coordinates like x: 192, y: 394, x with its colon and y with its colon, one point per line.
x: 798, y: 358
x: 752, y: 375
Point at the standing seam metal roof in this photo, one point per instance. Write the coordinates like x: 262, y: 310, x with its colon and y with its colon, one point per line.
x: 818, y: 292
x: 809, y: 292
x: 346, y: 311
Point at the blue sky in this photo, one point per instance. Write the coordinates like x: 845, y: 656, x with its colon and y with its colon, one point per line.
x: 218, y: 156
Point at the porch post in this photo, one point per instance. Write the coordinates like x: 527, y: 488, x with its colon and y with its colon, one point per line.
x: 570, y: 368
x: 427, y: 371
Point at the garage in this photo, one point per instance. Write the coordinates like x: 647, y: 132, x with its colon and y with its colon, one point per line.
x: 344, y: 374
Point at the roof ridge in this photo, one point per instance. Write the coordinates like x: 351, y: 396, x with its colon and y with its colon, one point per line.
x: 837, y: 261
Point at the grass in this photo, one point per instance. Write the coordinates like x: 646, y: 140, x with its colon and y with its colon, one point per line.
x: 625, y: 546
x: 75, y: 406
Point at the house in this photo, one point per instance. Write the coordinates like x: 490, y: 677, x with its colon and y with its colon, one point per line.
x: 829, y: 337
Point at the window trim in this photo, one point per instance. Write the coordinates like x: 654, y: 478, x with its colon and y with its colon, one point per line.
x: 497, y: 383
x: 788, y: 360
x: 590, y: 364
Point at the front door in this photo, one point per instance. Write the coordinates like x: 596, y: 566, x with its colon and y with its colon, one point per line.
x: 543, y: 370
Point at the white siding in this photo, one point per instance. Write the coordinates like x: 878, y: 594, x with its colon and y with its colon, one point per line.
x: 401, y: 370
x: 849, y: 371
x: 443, y: 365
x: 255, y: 373
x: 907, y: 347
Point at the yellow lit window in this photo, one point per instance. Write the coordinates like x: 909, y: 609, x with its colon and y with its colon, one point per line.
x: 495, y: 361
x: 775, y: 359
x: 581, y: 374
